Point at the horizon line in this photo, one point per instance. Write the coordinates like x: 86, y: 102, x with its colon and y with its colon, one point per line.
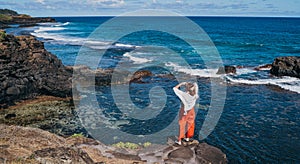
x: 245, y: 16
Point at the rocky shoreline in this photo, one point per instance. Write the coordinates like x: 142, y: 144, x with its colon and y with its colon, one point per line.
x: 31, y: 145
x: 281, y: 66
x: 36, y: 90
x: 35, y: 93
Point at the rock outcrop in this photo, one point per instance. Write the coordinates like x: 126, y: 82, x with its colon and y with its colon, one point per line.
x: 30, y: 145
x: 286, y: 66
x: 8, y: 17
x: 27, y: 70
x: 263, y: 67
x: 139, y: 75
x: 226, y: 70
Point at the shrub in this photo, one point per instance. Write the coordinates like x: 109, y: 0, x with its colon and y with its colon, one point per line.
x: 77, y: 135
x: 146, y: 144
x: 129, y: 145
x: 126, y: 145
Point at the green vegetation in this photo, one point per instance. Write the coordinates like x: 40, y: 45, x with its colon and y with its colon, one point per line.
x: 146, y: 144
x: 23, y: 16
x: 129, y: 145
x: 126, y: 145
x: 77, y: 135
x: 2, y: 35
x: 7, y: 15
x: 4, y: 17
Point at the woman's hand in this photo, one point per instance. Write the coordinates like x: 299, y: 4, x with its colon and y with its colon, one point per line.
x: 180, y: 84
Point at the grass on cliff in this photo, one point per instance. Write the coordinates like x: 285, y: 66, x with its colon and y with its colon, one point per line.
x: 4, y: 17
x: 23, y: 16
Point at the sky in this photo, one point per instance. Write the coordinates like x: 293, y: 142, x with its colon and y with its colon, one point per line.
x: 290, y: 8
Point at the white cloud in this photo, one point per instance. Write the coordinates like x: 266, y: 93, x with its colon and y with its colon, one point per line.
x: 40, y: 1
x: 107, y: 3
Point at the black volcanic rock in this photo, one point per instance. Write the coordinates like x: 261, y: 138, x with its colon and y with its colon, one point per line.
x: 226, y: 70
x: 27, y: 70
x: 286, y: 66
x: 209, y: 154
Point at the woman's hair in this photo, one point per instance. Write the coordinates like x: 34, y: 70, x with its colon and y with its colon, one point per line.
x: 190, y: 88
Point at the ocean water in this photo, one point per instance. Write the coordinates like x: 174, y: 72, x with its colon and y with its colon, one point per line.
x: 261, y: 116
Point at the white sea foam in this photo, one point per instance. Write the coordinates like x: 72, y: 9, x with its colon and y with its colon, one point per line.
x: 288, y: 83
x: 294, y: 88
x: 125, y: 45
x: 43, y: 32
x: 48, y: 24
x: 62, y: 24
x: 106, y: 45
x: 42, y: 29
x: 136, y: 60
x: 60, y: 39
x: 194, y: 72
x: 242, y: 71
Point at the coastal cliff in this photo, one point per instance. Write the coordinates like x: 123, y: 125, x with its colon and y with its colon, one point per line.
x: 8, y: 17
x: 28, y: 70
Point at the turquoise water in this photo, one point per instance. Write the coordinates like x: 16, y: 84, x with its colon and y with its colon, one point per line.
x: 260, y: 120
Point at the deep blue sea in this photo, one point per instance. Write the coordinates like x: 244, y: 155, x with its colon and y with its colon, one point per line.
x: 260, y: 122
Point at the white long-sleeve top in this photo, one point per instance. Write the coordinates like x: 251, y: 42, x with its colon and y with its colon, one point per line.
x: 188, y: 100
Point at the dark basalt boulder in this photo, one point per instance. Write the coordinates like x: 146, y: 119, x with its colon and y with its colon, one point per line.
x: 226, y: 70
x: 209, y: 154
x: 28, y: 70
x: 286, y: 66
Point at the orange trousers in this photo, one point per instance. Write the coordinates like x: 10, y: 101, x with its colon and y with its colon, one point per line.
x: 186, y: 124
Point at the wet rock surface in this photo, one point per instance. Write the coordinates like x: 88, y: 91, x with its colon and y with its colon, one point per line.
x: 286, y: 66
x: 227, y: 70
x: 56, y: 115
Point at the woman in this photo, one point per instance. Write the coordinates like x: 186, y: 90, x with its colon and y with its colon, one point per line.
x: 187, y: 110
